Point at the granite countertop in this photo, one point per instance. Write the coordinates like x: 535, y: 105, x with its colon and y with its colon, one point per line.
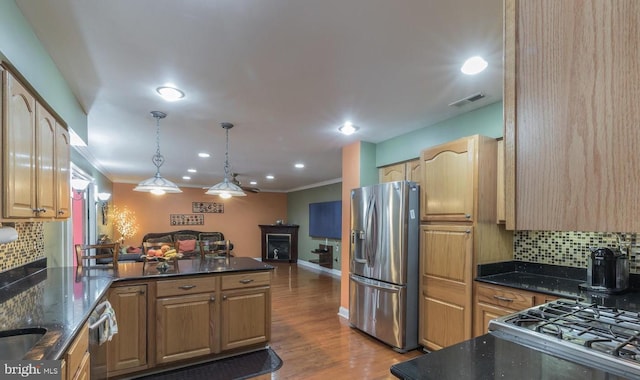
x: 61, y: 299
x: 558, y: 281
x: 490, y: 357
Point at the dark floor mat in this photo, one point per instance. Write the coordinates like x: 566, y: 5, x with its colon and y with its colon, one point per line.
x: 237, y: 367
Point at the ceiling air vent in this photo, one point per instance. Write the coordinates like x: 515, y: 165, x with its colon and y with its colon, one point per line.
x: 467, y: 99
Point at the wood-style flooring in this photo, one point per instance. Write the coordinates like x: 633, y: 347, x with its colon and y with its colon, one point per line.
x: 312, y: 340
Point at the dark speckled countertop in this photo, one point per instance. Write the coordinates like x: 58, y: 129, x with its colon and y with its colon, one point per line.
x: 62, y: 299
x: 489, y: 357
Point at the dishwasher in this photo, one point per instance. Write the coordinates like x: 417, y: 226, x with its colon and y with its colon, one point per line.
x: 98, y: 359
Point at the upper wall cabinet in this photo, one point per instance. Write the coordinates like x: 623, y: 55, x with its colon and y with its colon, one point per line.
x: 35, y: 154
x: 409, y: 170
x: 18, y: 149
x: 450, y: 197
x: 572, y: 115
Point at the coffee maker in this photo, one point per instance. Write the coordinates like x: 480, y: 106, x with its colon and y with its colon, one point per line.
x: 608, y: 271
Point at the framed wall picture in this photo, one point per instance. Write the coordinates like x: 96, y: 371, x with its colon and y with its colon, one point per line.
x: 186, y: 219
x: 207, y: 207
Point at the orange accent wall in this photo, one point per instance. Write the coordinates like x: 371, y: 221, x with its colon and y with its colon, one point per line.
x: 350, y: 180
x: 239, y: 222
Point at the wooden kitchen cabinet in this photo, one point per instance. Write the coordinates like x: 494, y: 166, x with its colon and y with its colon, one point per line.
x: 493, y: 301
x: 18, y: 148
x: 500, y: 201
x: 35, y: 155
x: 127, y: 351
x: 450, y: 198
x: 245, y: 310
x: 571, y: 115
x: 185, y: 318
x: 459, y: 231
x: 45, y: 141
x: 77, y: 358
x: 446, y: 280
x: 62, y: 165
x: 409, y: 171
x: 187, y: 321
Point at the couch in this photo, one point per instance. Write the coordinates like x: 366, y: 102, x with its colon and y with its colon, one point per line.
x: 184, y: 240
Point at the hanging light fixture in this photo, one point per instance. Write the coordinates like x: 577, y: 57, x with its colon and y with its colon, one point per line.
x: 156, y: 184
x: 226, y: 189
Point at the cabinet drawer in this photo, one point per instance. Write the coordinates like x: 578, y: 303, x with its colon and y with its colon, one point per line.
x: 506, y: 298
x: 245, y: 280
x: 76, y: 351
x: 187, y: 285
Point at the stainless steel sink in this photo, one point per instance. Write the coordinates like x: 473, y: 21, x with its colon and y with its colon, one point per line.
x: 15, y: 344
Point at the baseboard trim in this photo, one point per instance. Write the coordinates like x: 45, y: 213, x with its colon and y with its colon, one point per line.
x: 315, y: 267
x: 343, y: 312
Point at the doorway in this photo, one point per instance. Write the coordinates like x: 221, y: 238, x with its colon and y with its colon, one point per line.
x: 83, y: 210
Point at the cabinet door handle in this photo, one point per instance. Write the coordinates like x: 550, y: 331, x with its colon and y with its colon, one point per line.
x: 212, y: 299
x: 60, y: 212
x: 141, y: 292
x: 505, y: 299
x: 224, y: 298
x: 187, y: 287
x: 468, y: 216
x: 467, y: 231
x: 246, y: 281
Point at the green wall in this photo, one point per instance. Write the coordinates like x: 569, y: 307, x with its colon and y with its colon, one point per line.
x: 485, y: 121
x: 298, y: 213
x: 368, y: 170
x: 21, y: 48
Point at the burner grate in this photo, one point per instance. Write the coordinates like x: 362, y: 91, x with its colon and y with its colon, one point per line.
x: 581, y: 328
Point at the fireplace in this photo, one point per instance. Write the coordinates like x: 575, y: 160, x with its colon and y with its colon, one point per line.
x: 280, y: 242
x: 278, y: 246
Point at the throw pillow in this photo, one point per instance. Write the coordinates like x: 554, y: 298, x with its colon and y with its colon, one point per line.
x: 186, y: 246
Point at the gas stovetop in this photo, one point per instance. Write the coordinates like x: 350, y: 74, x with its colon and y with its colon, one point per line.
x: 597, y: 336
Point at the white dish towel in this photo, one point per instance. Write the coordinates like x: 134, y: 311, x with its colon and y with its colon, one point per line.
x: 109, y: 328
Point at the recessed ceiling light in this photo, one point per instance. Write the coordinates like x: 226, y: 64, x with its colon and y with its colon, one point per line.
x: 299, y: 165
x: 192, y: 170
x: 186, y: 177
x: 348, y: 128
x: 253, y: 183
x: 474, y: 65
x: 269, y: 176
x: 169, y: 93
x: 204, y: 155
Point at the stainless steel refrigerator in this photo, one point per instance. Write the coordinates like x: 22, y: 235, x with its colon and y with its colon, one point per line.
x: 384, y: 250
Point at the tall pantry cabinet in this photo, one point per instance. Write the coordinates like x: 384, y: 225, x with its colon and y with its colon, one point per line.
x: 458, y: 232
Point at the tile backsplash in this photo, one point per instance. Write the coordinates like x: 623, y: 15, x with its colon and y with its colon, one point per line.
x: 568, y: 248
x: 28, y: 248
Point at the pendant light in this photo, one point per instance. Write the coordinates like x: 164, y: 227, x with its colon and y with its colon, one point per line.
x: 226, y: 189
x: 156, y: 184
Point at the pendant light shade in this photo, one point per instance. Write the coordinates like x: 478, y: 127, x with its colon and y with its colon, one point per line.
x: 157, y: 184
x: 226, y: 188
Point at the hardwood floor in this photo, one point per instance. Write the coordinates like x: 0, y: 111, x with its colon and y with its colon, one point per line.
x: 312, y: 340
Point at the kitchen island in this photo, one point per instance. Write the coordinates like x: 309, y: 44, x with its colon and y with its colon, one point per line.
x: 62, y: 299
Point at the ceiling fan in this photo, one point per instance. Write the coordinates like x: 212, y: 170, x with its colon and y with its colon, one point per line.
x: 235, y: 181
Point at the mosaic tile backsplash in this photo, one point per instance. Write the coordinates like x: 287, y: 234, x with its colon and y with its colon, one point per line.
x: 569, y: 248
x: 28, y: 248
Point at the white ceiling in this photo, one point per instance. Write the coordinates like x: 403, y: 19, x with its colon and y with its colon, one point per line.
x: 285, y: 72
